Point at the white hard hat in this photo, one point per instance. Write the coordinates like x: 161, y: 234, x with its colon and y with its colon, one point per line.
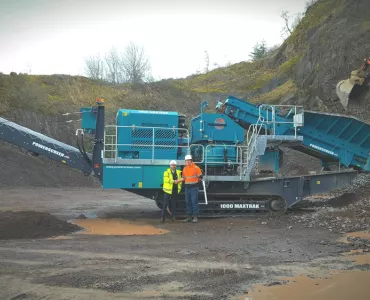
x: 188, y: 157
x: 173, y: 162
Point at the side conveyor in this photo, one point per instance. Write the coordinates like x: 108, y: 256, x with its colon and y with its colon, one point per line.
x: 43, y: 145
x: 329, y: 137
x: 336, y: 138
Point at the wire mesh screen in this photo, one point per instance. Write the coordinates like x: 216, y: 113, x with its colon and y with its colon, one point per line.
x: 141, y: 133
x: 146, y: 142
x: 165, y: 134
x: 139, y: 144
x: 165, y: 139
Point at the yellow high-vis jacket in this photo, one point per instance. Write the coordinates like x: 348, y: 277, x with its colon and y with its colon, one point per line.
x: 168, y: 181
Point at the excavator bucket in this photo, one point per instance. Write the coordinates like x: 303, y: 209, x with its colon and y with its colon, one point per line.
x: 344, y: 89
x: 350, y: 89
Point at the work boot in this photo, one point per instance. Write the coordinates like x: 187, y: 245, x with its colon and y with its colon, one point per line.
x: 195, y: 219
x: 173, y: 219
x: 188, y: 219
x: 162, y: 220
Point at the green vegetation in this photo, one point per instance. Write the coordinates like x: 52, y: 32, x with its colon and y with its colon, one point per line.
x: 240, y: 78
x: 316, y: 15
x: 260, y: 51
x: 61, y: 93
x: 277, y: 94
x: 287, y: 67
x: 49, y: 94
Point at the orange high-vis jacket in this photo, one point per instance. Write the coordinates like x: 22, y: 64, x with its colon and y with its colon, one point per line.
x: 191, y: 173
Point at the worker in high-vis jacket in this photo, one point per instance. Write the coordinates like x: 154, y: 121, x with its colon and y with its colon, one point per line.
x: 172, y: 183
x: 191, y: 175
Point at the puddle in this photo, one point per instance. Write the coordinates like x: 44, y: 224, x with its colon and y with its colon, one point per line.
x: 341, y: 285
x: 116, y: 227
x: 337, y: 285
x: 357, y: 251
x: 357, y: 234
x: 360, y: 259
x: 356, y: 257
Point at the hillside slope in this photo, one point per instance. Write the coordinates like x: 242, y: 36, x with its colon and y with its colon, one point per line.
x: 331, y: 40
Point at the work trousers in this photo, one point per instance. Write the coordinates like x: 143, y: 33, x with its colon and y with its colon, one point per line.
x: 191, y: 196
x: 169, y: 201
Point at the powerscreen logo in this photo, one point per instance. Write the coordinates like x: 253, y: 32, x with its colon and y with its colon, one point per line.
x: 49, y: 150
x: 323, y: 149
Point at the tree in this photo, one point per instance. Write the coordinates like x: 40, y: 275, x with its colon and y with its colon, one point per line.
x: 206, y: 60
x: 94, y: 67
x: 130, y: 66
x: 114, y: 66
x: 135, y: 65
x: 288, y: 25
x: 260, y: 50
x: 285, y: 16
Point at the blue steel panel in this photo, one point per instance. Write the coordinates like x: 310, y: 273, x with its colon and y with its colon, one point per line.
x: 358, y: 135
x: 247, y: 113
x: 324, y: 124
x: 139, y: 141
x: 217, y: 127
x: 340, y: 124
x: 133, y: 177
x: 118, y: 176
x: 147, y: 112
x: 270, y: 161
x: 349, y: 132
x: 215, y: 154
x: 88, y: 121
x: 343, y: 137
x: 366, y: 143
x: 153, y: 176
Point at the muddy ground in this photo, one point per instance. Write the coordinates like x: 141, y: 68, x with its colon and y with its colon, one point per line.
x: 214, y: 259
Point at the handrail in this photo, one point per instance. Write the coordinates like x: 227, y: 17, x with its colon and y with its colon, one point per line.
x: 238, y: 158
x: 298, y: 110
x: 252, y: 142
x: 197, y: 145
x: 113, y: 138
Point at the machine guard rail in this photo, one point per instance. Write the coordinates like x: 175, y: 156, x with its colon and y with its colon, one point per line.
x: 296, y: 111
x: 111, y: 140
x: 238, y: 162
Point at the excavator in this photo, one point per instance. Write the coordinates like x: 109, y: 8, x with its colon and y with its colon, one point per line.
x: 350, y: 89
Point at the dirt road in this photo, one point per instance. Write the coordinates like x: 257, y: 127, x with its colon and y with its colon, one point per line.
x: 214, y: 259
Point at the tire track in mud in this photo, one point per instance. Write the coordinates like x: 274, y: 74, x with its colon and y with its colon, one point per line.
x: 130, y: 273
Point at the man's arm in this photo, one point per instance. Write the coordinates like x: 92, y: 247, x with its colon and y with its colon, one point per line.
x: 199, y: 172
x: 166, y: 178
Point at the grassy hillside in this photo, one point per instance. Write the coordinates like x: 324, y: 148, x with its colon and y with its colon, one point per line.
x: 54, y: 94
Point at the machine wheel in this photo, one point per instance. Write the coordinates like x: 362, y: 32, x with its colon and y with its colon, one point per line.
x: 277, y: 206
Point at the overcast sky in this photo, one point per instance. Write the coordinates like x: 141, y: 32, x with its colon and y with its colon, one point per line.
x: 55, y: 36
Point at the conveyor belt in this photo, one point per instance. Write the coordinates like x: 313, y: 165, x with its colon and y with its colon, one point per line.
x: 43, y: 145
x: 329, y: 137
